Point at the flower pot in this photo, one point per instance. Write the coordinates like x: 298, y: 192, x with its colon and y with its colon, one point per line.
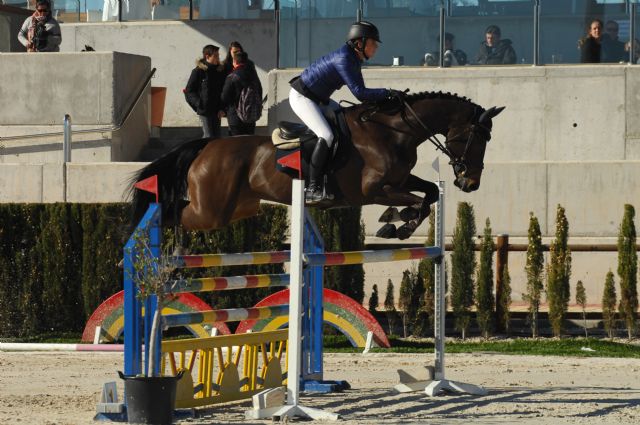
x: 150, y: 400
x: 158, y: 96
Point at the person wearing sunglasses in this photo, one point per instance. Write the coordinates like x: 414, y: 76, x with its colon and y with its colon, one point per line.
x: 40, y: 32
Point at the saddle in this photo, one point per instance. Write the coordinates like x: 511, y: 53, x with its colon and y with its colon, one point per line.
x: 289, y: 137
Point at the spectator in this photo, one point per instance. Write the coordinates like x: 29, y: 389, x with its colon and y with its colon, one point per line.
x: 40, y: 32
x: 452, y: 56
x: 494, y: 50
x: 234, y: 47
x: 591, y: 45
x: 204, y: 89
x: 243, y: 77
x: 613, y: 50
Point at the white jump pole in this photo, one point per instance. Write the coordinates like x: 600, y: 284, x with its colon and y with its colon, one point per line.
x: 293, y: 408
x: 440, y: 384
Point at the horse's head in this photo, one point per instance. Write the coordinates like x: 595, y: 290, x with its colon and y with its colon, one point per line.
x: 466, y: 145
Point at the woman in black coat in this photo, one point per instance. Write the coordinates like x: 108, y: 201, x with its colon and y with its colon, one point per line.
x: 591, y: 45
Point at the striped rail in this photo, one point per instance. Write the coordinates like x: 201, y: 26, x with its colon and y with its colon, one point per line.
x: 225, y: 315
x: 208, y: 284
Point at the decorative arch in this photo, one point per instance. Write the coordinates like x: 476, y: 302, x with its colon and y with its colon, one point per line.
x: 110, y: 317
x: 339, y: 311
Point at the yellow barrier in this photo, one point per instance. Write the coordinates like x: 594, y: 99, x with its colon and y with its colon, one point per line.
x: 254, y: 362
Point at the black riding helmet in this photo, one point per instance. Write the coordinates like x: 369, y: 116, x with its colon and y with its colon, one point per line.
x: 363, y: 29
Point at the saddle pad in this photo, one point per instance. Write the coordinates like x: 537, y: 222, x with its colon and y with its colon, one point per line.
x: 284, y: 144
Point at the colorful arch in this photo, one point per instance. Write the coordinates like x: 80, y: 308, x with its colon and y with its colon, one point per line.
x: 110, y: 317
x: 339, y: 311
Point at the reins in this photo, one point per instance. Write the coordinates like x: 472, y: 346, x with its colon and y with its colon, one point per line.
x: 459, y: 163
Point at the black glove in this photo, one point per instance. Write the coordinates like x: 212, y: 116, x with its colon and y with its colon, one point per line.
x: 397, y: 95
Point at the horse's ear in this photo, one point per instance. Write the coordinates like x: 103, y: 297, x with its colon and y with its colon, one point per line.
x: 490, y: 113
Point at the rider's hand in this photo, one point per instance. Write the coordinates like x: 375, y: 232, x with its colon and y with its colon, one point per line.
x: 397, y: 95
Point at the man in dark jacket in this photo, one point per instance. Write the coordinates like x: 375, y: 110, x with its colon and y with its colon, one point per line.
x: 204, y: 88
x: 243, y: 75
x: 494, y: 50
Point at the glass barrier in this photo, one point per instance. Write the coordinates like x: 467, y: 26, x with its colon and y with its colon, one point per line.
x: 233, y: 9
x: 583, y: 31
x: 489, y: 33
x: 312, y: 28
x: 408, y: 29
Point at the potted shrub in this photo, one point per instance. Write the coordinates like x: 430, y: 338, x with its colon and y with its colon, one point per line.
x: 151, y: 398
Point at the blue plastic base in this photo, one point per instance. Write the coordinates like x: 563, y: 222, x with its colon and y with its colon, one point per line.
x: 324, y: 386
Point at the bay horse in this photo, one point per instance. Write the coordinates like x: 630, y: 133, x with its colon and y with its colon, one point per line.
x: 209, y: 183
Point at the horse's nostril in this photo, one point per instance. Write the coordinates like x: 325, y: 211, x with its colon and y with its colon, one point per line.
x: 474, y: 185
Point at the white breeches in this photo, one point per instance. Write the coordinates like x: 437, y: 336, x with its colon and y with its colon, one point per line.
x: 311, y: 114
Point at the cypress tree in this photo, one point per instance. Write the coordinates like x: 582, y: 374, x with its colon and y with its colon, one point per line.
x: 60, y: 253
x: 581, y: 300
x: 427, y: 272
x: 342, y: 230
x: 463, y: 264
x: 485, y: 308
x: 390, y: 306
x: 534, y: 268
x: 404, y: 299
x: 628, y: 270
x: 609, y: 304
x: 28, y: 265
x: 102, y: 250
x: 374, y: 300
x: 558, y: 274
x: 505, y: 298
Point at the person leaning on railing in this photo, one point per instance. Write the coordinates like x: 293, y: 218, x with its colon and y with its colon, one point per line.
x: 495, y: 50
x: 591, y: 45
x: 40, y: 32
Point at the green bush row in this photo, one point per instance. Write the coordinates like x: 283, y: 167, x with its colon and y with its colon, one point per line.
x: 58, y: 262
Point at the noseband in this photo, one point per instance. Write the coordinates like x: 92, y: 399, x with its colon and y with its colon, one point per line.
x: 459, y: 163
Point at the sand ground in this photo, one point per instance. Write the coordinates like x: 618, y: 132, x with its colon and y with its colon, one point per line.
x: 63, y: 388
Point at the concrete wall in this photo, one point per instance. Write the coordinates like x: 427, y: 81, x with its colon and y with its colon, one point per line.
x: 94, y: 88
x: 569, y: 135
x: 86, y: 182
x: 173, y: 47
x: 11, y: 20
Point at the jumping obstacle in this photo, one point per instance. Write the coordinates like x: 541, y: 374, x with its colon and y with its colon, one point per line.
x: 225, y: 386
x: 440, y: 384
x: 294, y: 347
x: 226, y: 367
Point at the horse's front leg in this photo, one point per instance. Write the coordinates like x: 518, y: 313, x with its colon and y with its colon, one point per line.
x: 417, y: 208
x: 395, y: 196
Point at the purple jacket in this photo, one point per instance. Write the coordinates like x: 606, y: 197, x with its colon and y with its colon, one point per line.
x: 332, y: 71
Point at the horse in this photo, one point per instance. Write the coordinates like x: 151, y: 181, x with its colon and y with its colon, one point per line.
x: 225, y: 179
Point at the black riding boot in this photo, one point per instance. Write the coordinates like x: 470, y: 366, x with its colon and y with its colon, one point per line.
x: 314, y: 193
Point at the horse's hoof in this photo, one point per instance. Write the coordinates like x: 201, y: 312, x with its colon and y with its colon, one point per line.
x: 409, y: 213
x: 406, y: 230
x: 389, y: 215
x: 388, y: 231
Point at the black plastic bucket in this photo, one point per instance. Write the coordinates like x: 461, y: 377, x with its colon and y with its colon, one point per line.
x: 150, y: 400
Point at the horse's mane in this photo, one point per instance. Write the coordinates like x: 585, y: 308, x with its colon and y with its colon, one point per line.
x: 411, y: 97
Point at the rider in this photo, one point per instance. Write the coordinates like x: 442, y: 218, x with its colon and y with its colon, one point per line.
x: 311, y: 92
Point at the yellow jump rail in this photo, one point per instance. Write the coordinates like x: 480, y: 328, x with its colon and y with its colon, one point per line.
x: 227, y: 367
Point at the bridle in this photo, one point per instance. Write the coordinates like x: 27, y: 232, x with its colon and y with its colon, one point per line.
x: 459, y: 163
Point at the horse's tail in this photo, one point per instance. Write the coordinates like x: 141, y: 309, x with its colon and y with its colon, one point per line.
x: 171, y: 169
